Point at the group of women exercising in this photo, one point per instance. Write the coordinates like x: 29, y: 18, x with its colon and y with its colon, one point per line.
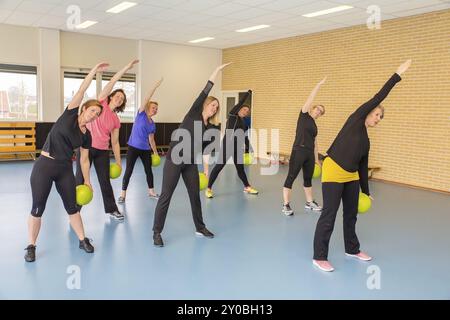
x: 90, y: 131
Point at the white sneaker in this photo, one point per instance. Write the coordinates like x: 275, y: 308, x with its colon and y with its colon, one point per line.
x: 313, y: 205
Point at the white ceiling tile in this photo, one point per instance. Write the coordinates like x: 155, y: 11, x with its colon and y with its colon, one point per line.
x: 35, y: 7
x: 252, y: 3
x: 409, y: 5
x: 22, y: 18
x: 47, y: 21
x: 9, y: 4
x: 421, y: 10
x: 249, y: 13
x: 170, y: 15
x: 215, y: 22
x: 225, y: 9
x: 198, y: 5
x: 164, y: 3
x: 142, y: 11
x: 347, y: 2
x: 282, y: 5
x: 316, y: 6
x: 94, y: 15
x: 272, y: 17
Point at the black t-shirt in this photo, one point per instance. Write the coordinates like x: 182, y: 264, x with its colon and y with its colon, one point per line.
x: 306, y: 132
x: 193, y: 119
x: 66, y: 136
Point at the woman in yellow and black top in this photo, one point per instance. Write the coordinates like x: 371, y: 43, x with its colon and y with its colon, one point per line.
x: 344, y: 171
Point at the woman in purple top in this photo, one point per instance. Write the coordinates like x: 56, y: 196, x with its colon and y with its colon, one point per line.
x: 141, y: 139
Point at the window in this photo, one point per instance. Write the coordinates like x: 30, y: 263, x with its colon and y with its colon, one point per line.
x: 18, y: 93
x: 73, y: 80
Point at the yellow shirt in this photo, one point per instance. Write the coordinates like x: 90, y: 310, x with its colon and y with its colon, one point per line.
x: 332, y: 172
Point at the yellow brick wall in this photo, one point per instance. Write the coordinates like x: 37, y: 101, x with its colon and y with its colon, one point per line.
x: 412, y: 143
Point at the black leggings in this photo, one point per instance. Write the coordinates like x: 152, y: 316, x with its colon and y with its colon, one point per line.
x: 45, y: 172
x: 222, y: 161
x: 101, y: 164
x: 171, y: 175
x: 300, y: 159
x: 146, y: 158
x: 333, y: 192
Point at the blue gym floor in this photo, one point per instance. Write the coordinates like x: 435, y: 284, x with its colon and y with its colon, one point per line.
x: 257, y: 253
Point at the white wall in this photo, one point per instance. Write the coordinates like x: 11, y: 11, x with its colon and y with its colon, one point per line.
x: 80, y: 50
x: 185, y: 68
x: 19, y: 45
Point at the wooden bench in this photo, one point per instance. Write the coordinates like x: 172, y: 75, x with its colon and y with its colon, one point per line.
x: 372, y: 169
x: 279, y: 157
x: 17, y: 141
x: 283, y: 158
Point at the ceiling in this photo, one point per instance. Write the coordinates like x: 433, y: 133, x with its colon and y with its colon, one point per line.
x: 179, y: 21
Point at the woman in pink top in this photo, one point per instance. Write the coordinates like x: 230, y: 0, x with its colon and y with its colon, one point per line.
x: 104, y: 130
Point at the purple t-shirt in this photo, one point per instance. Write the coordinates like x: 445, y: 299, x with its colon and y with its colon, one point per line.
x: 142, y: 127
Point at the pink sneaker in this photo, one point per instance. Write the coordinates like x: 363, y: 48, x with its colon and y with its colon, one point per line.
x: 361, y: 256
x: 323, y: 265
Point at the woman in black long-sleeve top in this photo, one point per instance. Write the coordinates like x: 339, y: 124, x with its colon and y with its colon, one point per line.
x: 235, y: 140
x: 344, y: 171
x: 182, y: 160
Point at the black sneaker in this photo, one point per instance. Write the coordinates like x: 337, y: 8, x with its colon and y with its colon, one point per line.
x: 287, y: 210
x: 157, y: 240
x: 86, y: 245
x: 31, y: 253
x: 204, y: 233
x: 116, y: 215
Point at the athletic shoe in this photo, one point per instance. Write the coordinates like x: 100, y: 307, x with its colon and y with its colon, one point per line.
x: 121, y: 199
x: 116, y: 215
x: 204, y: 233
x: 323, y: 265
x: 31, y: 253
x: 250, y: 190
x: 287, y: 210
x: 154, y: 196
x: 361, y: 256
x: 313, y: 205
x: 209, y: 193
x: 157, y: 240
x: 86, y: 245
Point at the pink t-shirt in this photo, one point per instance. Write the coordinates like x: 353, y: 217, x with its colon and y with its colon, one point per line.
x: 102, y: 127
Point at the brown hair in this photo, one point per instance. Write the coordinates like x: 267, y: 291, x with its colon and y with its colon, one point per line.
x: 92, y: 103
x: 215, y: 118
x: 122, y: 106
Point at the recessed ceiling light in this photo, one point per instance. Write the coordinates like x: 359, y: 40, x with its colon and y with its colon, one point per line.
x: 261, y: 26
x: 201, y: 40
x: 121, y: 7
x: 327, y: 11
x: 85, y: 24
